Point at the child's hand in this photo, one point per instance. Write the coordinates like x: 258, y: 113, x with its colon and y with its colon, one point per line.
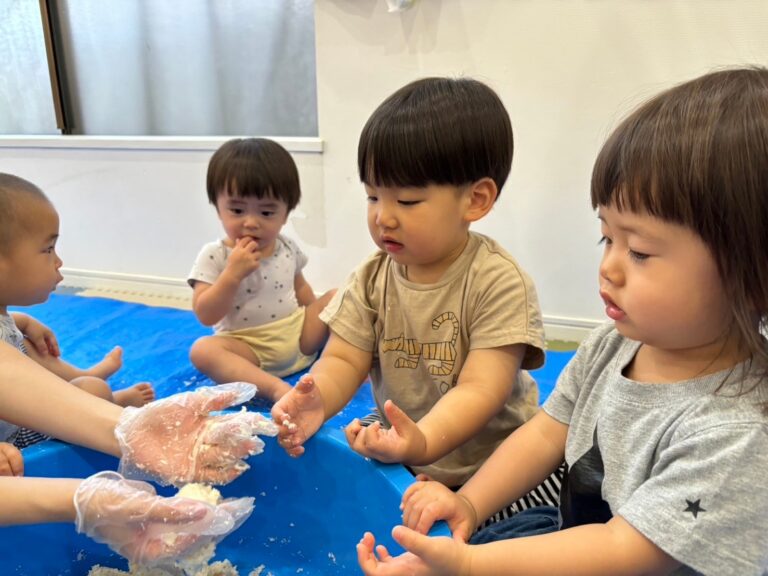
x: 424, y: 503
x: 403, y: 442
x: 11, y: 460
x: 424, y: 556
x: 41, y: 337
x: 299, y: 413
x: 175, y: 440
x: 245, y: 257
x: 135, y: 522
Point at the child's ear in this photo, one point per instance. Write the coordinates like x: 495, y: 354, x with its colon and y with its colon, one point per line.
x: 482, y: 196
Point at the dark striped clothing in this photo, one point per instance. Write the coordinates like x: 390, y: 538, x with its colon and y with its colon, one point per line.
x: 25, y: 437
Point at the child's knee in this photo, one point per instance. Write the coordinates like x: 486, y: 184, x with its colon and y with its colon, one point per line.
x: 202, y: 351
x: 93, y: 385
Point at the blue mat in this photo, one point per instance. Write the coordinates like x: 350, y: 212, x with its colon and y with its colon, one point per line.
x: 156, y: 343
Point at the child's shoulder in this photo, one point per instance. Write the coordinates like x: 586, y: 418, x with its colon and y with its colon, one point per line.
x: 485, y: 251
x: 214, y: 250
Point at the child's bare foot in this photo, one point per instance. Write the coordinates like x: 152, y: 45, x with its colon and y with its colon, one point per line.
x: 136, y: 395
x: 110, y: 364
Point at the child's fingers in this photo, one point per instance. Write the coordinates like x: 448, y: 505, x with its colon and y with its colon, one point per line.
x: 16, y: 462
x: 52, y: 345
x: 412, y: 541
x: 365, y: 556
x: 352, y: 430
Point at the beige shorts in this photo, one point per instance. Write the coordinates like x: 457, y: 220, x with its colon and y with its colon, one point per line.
x: 276, y: 344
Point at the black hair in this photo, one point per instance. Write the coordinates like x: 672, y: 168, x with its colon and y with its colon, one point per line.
x: 253, y: 167
x: 444, y: 131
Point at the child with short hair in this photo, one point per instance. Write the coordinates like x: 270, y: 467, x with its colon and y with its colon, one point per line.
x: 29, y: 272
x: 444, y: 320
x: 662, y: 415
x: 249, y: 285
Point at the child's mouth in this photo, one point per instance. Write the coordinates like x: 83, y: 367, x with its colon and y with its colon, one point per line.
x: 611, y: 309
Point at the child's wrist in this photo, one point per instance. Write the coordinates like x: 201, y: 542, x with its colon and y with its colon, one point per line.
x: 472, y: 511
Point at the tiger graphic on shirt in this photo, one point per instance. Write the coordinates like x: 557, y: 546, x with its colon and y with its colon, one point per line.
x: 443, y: 351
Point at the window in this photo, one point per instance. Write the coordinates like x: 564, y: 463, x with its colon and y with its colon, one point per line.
x: 198, y: 67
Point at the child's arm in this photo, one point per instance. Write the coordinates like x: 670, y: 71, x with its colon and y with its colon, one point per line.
x: 42, y: 337
x: 485, y: 382
x: 11, y: 460
x: 611, y: 549
x: 304, y: 293
x: 211, y: 302
x: 520, y: 463
x: 331, y: 384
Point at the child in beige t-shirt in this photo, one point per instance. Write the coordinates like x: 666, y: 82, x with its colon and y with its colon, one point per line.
x: 443, y: 320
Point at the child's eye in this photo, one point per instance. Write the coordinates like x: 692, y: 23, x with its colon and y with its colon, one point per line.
x: 267, y: 214
x: 236, y: 211
x: 372, y: 199
x: 604, y: 240
x: 409, y: 202
x: 637, y: 256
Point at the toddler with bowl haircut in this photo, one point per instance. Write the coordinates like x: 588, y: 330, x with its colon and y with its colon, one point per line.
x: 662, y: 415
x: 443, y: 320
x: 249, y: 285
x: 29, y: 272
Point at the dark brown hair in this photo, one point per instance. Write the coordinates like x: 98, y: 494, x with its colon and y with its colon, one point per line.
x: 12, y: 190
x: 441, y: 131
x: 697, y: 155
x: 253, y: 167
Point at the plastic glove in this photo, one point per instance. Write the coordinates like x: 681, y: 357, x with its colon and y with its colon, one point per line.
x: 175, y: 440
x: 129, y: 517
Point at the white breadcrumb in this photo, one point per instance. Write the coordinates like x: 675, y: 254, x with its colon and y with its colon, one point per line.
x: 223, y: 568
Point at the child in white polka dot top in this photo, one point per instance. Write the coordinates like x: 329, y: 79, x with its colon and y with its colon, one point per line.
x: 249, y: 285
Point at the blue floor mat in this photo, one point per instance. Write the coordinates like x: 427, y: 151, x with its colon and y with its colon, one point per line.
x: 156, y: 343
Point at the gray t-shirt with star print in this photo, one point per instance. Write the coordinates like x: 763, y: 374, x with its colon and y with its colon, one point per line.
x: 266, y: 295
x: 684, y: 463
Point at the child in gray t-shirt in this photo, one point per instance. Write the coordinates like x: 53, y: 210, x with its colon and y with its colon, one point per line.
x: 662, y: 416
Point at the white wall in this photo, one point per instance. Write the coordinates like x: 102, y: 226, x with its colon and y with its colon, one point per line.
x: 566, y: 69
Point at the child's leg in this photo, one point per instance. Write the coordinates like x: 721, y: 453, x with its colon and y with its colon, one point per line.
x: 314, y: 333
x: 111, y: 363
x: 228, y: 360
x: 136, y: 395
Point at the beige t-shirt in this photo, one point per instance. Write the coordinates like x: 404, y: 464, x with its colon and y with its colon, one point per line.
x: 420, y: 336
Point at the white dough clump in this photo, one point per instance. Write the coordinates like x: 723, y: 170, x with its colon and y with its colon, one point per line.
x: 201, y: 492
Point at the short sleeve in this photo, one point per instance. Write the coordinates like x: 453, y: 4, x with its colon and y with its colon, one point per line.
x: 208, y: 265
x: 351, y: 314
x: 706, y: 501
x: 505, y: 310
x: 589, y: 357
x: 300, y: 258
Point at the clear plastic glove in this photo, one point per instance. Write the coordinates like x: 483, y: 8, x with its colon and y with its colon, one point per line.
x: 176, y: 440
x: 129, y: 517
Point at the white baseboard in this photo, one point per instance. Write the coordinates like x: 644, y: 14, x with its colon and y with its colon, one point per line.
x: 176, y: 293
x: 568, y: 329
x: 153, y: 290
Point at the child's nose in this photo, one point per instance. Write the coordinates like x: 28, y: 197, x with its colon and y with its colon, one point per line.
x: 252, y: 221
x: 385, y: 216
x: 610, y: 268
